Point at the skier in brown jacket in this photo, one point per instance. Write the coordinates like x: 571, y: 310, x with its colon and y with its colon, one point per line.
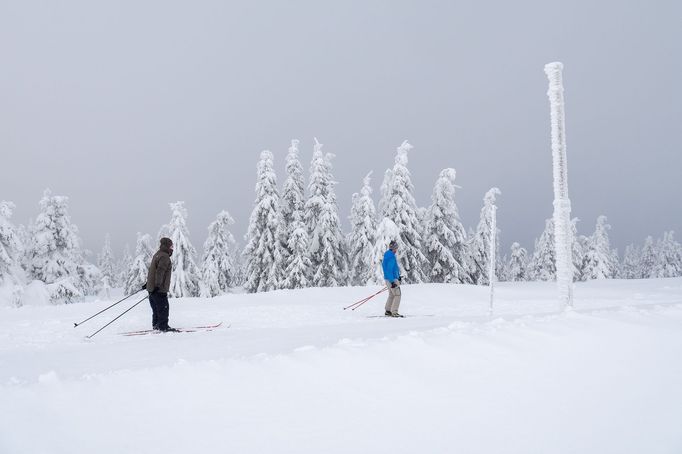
x: 158, y: 283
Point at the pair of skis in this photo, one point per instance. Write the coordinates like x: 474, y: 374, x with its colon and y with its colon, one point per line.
x: 191, y: 329
x: 400, y: 316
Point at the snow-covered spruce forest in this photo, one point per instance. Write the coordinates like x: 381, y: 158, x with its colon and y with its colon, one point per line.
x: 295, y: 240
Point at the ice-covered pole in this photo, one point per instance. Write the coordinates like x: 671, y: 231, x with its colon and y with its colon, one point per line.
x: 493, y: 259
x: 562, y: 204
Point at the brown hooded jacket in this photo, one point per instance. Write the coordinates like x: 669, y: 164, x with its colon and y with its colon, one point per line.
x: 160, y: 270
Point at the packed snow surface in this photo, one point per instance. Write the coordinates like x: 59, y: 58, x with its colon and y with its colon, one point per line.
x: 291, y: 372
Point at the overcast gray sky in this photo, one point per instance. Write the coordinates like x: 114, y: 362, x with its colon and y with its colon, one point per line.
x: 125, y: 106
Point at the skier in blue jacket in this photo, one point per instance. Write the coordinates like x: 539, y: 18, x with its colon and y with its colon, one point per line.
x: 393, y: 279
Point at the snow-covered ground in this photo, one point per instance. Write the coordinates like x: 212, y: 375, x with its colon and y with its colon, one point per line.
x: 294, y: 373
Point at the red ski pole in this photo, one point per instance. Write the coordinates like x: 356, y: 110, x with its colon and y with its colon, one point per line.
x: 364, y: 300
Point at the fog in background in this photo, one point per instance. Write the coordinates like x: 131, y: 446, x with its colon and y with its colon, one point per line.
x: 126, y: 106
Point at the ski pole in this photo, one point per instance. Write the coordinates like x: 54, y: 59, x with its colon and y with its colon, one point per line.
x: 358, y: 303
x: 105, y: 309
x: 124, y: 312
x: 364, y: 300
x: 355, y: 303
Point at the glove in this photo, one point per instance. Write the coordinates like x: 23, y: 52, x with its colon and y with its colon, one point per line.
x: 144, y: 286
x: 400, y: 279
x: 393, y: 285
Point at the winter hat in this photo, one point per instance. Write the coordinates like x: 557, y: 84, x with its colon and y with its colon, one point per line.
x: 166, y: 242
x: 393, y: 244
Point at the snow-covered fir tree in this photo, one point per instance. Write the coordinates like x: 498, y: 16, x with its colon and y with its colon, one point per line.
x: 385, y: 193
x: 90, y: 277
x: 53, y: 252
x: 445, y: 237
x: 479, y: 245
x: 10, y: 245
x: 677, y: 247
x: 362, y: 237
x: 647, y: 259
x: 327, y: 254
x: 123, y: 266
x: 677, y: 254
x: 598, y: 261
x: 23, y: 233
x: 629, y: 268
x: 577, y: 250
x: 292, y: 234
x: 298, y: 263
x: 501, y: 261
x: 542, y: 265
x: 517, y: 267
x: 218, y: 268
x: 398, y: 204
x: 240, y: 266
x: 262, y: 254
x: 293, y: 193
x: 422, y: 216
x: 582, y: 241
x: 185, y: 281
x: 615, y: 258
x: 105, y: 261
x: 669, y: 257
x: 387, y: 231
x: 136, y: 275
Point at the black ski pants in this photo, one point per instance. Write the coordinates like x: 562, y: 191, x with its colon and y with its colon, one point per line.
x: 160, y: 309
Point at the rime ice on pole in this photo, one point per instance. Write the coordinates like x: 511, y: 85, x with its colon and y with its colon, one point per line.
x: 562, y: 204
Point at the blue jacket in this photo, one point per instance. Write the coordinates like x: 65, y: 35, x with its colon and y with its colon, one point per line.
x: 390, y: 266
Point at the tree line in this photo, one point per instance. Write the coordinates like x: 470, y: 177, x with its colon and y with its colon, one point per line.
x: 294, y: 240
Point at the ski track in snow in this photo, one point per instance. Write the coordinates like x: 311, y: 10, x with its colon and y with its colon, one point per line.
x: 296, y: 373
